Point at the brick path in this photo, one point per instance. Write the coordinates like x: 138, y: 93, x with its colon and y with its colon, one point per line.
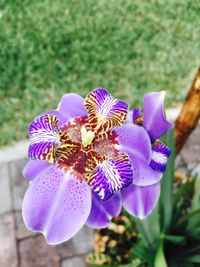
x: 22, y: 248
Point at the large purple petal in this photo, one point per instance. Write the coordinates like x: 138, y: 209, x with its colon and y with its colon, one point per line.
x: 56, y: 204
x: 135, y: 141
x: 140, y: 201
x: 105, y: 112
x: 147, y: 176
x: 72, y: 106
x: 111, y: 176
x: 102, y: 211
x: 33, y: 168
x: 154, y: 120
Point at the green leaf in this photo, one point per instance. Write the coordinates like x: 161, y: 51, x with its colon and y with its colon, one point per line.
x: 196, y: 198
x: 192, y: 249
x: 194, y: 259
x: 134, y: 263
x: 167, y: 182
x: 175, y: 239
x: 149, y: 228
x: 178, y: 201
x: 143, y: 252
x: 189, y: 216
x: 160, y: 257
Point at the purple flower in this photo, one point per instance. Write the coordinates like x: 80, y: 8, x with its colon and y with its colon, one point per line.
x: 85, y: 161
x: 140, y: 198
x: 81, y: 156
x: 156, y: 125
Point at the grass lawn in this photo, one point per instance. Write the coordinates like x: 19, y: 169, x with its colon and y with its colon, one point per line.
x: 48, y: 48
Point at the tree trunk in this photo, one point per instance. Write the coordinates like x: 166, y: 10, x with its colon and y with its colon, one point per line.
x: 189, y: 115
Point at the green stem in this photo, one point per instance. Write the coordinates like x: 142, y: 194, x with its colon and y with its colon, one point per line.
x: 160, y: 257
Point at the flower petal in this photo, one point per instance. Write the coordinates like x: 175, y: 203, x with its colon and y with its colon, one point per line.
x: 56, y: 204
x: 113, y: 205
x: 140, y: 201
x: 160, y: 154
x: 43, y: 132
x: 71, y: 106
x: 102, y: 211
x: 33, y: 168
x: 110, y: 176
x: 60, y: 119
x: 135, y: 141
x: 147, y: 176
x: 105, y: 112
x: 154, y: 120
x: 136, y: 114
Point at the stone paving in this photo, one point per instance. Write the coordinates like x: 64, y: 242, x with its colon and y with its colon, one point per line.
x: 189, y: 159
x: 22, y: 248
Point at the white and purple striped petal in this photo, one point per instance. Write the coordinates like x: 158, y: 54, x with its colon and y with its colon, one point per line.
x: 43, y: 132
x: 140, y: 201
x: 160, y: 154
x: 105, y: 112
x: 102, y: 211
x: 154, y: 120
x: 61, y: 120
x: 56, y: 204
x: 111, y: 176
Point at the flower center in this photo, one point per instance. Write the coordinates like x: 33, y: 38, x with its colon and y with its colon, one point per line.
x: 86, y: 136
x: 81, y: 149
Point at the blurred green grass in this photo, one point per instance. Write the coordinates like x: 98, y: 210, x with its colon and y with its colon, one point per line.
x: 48, y: 48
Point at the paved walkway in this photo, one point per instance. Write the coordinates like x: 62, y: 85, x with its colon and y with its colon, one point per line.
x: 21, y: 248
x: 189, y: 158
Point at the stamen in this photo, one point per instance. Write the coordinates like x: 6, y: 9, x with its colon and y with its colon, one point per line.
x: 86, y: 136
x: 101, y: 120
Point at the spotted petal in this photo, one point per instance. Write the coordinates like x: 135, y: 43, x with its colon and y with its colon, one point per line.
x: 33, y: 168
x: 105, y: 112
x: 110, y: 176
x: 56, y: 204
x: 102, y: 211
x: 140, y: 201
x: 160, y: 154
x: 43, y: 132
x: 154, y: 120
